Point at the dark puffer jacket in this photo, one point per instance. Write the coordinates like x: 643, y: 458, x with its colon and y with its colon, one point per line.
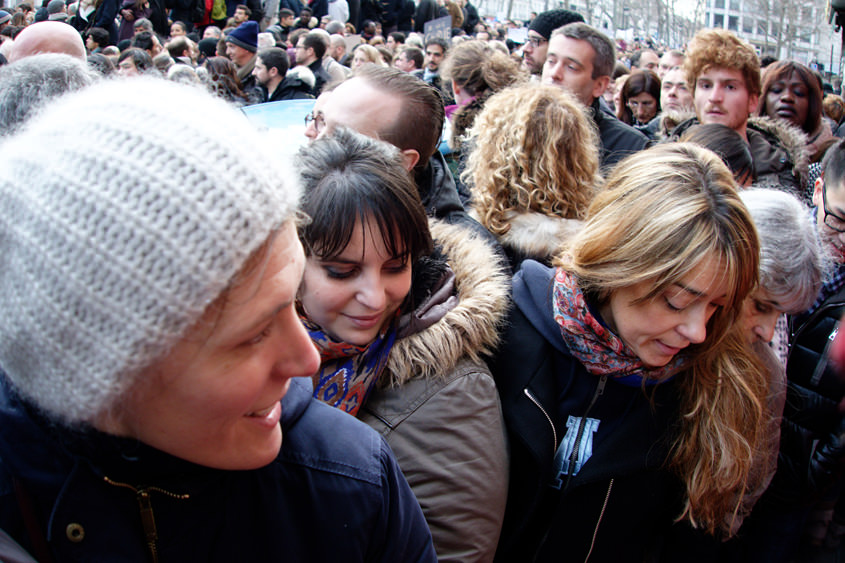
x: 812, y: 448
x: 334, y: 493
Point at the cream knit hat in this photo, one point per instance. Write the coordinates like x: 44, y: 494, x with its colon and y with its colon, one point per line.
x: 125, y: 210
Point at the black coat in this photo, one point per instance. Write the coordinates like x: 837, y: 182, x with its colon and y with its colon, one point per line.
x: 620, y: 504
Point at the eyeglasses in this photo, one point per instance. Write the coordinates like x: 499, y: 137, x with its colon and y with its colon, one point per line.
x: 536, y: 41
x: 833, y: 221
x: 318, y: 120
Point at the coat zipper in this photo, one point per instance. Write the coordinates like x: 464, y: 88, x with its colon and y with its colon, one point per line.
x: 146, y: 509
x: 548, y: 418
x: 598, y: 522
x: 573, y: 458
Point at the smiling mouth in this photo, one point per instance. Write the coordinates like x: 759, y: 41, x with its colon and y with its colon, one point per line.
x: 263, y: 412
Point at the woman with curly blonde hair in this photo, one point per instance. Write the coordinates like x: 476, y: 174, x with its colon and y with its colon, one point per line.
x: 634, y: 403
x: 533, y: 169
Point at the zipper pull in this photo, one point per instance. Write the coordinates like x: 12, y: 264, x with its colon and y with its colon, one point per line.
x: 148, y: 522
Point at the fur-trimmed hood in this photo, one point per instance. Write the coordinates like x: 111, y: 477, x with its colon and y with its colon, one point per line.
x: 303, y: 74
x: 471, y: 329
x: 779, y: 151
x: 790, y: 138
x: 668, y: 122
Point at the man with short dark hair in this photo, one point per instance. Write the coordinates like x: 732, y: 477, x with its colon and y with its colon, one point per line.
x: 435, y: 51
x: 96, y: 39
x: 539, y: 32
x: 391, y: 105
x: 241, y: 14
x: 644, y: 59
x: 395, y: 41
x: 149, y: 42
x: 271, y: 73
x: 409, y: 59
x: 580, y: 60
x: 180, y: 50
x: 310, y: 49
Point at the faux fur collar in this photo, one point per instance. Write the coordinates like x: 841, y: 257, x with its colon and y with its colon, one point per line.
x: 471, y: 329
x: 537, y: 235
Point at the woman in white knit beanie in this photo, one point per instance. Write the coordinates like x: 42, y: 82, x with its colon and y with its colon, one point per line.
x: 151, y: 358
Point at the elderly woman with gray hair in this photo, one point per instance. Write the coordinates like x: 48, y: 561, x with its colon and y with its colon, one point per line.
x: 792, y: 266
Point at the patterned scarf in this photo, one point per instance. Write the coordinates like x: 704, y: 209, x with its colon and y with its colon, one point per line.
x: 594, y: 345
x: 347, y: 372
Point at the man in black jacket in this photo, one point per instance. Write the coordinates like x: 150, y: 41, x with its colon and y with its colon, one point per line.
x: 580, y: 59
x: 271, y: 73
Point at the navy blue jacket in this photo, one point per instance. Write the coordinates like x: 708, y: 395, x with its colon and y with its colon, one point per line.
x: 587, y: 452
x: 334, y: 493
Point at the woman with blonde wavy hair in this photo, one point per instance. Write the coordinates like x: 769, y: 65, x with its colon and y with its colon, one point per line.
x: 533, y: 169
x: 633, y: 402
x: 366, y: 54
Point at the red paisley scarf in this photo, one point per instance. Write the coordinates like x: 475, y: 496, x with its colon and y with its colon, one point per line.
x: 593, y: 344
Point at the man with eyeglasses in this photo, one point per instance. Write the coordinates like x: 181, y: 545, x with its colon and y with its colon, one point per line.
x: 539, y: 31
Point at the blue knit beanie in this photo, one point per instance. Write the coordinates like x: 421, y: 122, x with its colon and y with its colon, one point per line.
x: 245, y: 35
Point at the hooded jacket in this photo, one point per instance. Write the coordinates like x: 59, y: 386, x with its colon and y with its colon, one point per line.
x: 587, y: 481
x: 437, y: 406
x: 334, y: 479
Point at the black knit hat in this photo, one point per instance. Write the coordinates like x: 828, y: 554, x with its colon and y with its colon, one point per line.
x: 547, y: 22
x: 245, y: 35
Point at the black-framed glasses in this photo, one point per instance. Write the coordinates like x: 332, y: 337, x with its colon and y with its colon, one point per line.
x: 835, y: 222
x: 318, y: 120
x: 536, y: 41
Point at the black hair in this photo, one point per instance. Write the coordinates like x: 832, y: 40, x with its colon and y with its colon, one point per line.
x: 727, y: 144
x: 348, y: 178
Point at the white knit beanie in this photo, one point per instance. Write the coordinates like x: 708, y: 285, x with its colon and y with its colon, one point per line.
x: 125, y: 210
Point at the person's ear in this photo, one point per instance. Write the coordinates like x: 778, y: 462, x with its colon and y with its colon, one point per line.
x: 600, y: 85
x: 410, y: 158
x: 817, y: 191
x: 752, y: 103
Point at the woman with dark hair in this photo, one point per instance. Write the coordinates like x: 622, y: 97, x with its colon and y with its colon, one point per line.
x: 793, y: 94
x: 729, y: 145
x: 221, y: 78
x: 401, y: 316
x: 634, y: 404
x: 640, y: 99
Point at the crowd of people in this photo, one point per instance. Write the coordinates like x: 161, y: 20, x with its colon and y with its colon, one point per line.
x: 509, y: 301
